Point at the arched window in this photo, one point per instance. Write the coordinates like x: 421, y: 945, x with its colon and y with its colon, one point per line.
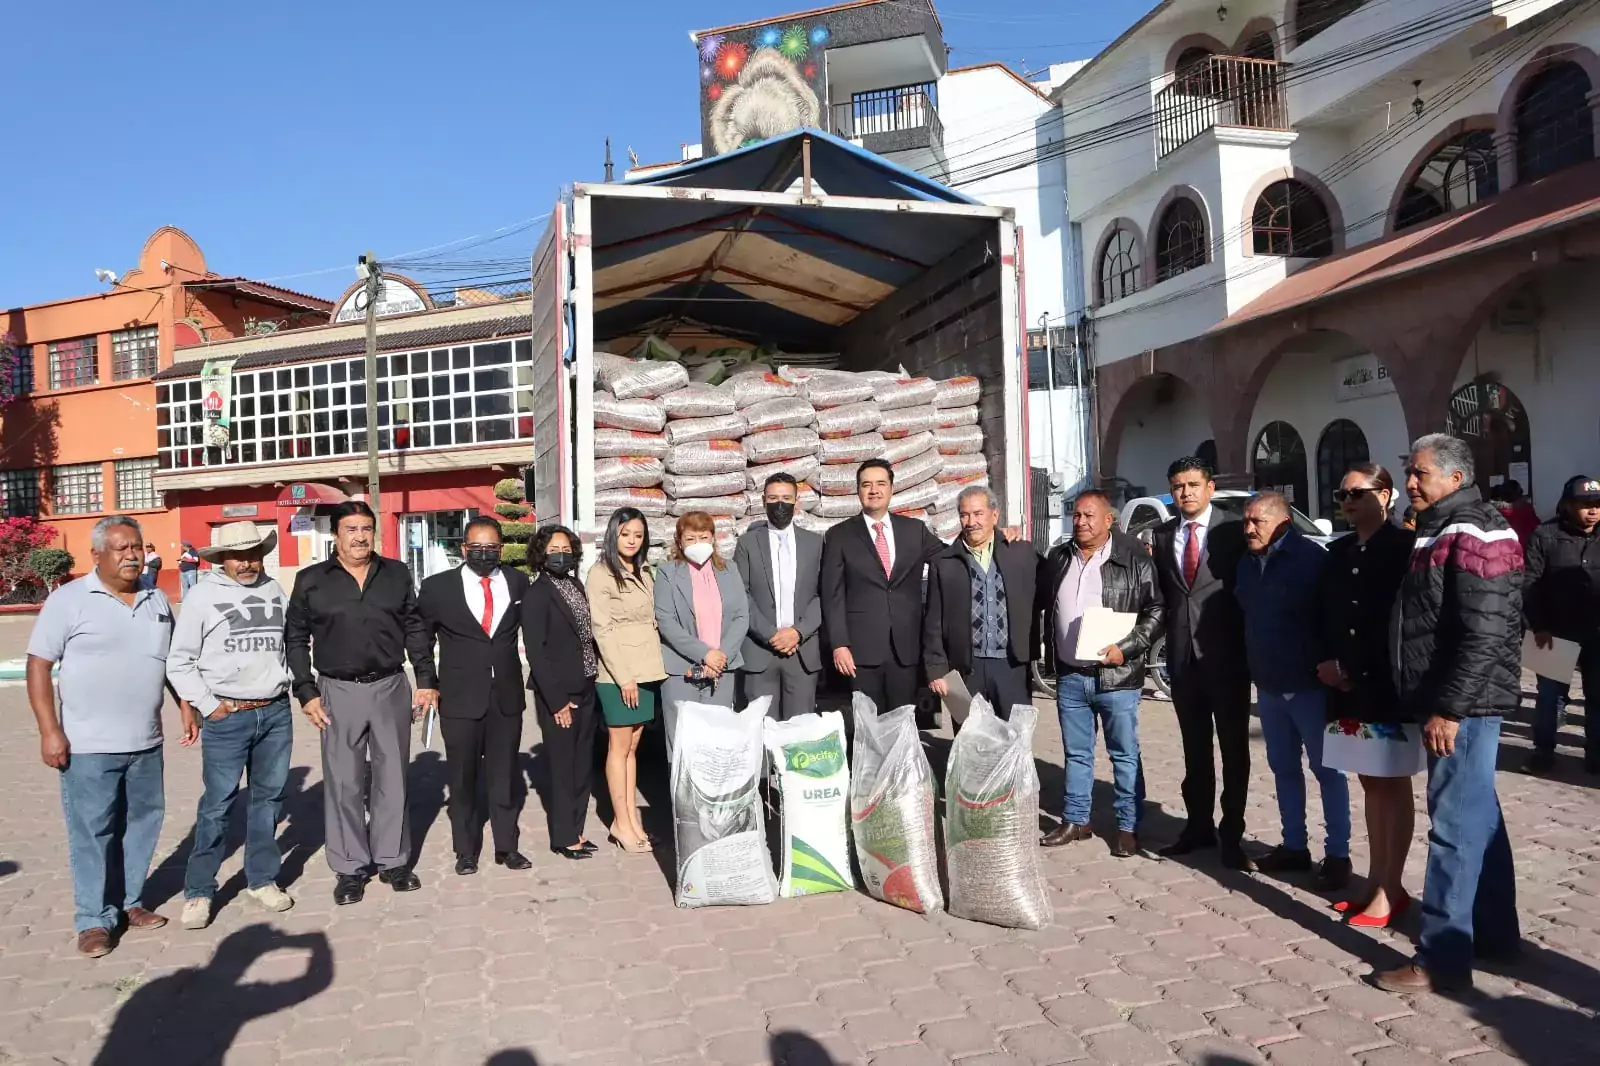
x: 1490, y: 418
x: 1119, y: 266
x: 1192, y: 72
x: 1181, y: 242
x: 1280, y: 461
x: 1259, y: 46
x: 1341, y: 446
x: 1555, y: 128
x: 1311, y: 17
x: 1291, y: 219
x: 1462, y: 172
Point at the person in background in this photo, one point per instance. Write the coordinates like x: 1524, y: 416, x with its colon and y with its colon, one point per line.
x: 354, y: 618
x: 1197, y: 557
x: 1105, y: 568
x: 1370, y: 732
x: 188, y: 569
x: 558, y: 636
x: 227, y: 664
x: 1280, y: 581
x: 622, y: 610
x: 1517, y: 509
x: 1562, y: 600
x: 152, y: 568
x: 702, y: 615
x: 110, y: 636
x: 472, y: 613
x: 872, y: 593
x: 781, y: 565
x: 1460, y: 670
x: 979, y: 618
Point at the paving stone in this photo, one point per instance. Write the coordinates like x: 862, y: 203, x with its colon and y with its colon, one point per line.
x: 915, y: 1055
x: 1083, y: 1014
x: 1005, y: 1009
x: 1122, y: 990
x: 1127, y: 1046
x: 1431, y: 1036
x: 928, y: 1005
x: 880, y: 1029
x: 1397, y: 1056
x: 1305, y: 1052
x: 1252, y: 1025
x: 747, y: 1048
x: 1284, y: 1000
x: 1201, y: 995
x: 1365, y: 1001
x: 1044, y: 1045
x: 1218, y: 1051
x: 1344, y: 1031
x: 1170, y: 1021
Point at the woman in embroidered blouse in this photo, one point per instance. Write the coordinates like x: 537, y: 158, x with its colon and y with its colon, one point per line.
x: 702, y: 614
x: 1370, y: 733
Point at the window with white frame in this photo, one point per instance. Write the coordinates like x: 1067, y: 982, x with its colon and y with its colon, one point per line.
x: 19, y: 493
x: 135, y: 491
x: 75, y: 362
x: 77, y: 488
x: 133, y: 353
x: 469, y: 394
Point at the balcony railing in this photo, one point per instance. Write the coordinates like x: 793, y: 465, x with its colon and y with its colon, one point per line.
x: 1220, y: 91
x: 905, y: 109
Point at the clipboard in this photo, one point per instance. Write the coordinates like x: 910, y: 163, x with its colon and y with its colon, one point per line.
x: 1557, y: 662
x: 1099, y: 628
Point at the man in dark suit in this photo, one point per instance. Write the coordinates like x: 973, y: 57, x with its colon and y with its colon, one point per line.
x: 872, y: 592
x: 1197, y: 558
x: 781, y: 565
x: 472, y: 613
x: 980, y: 618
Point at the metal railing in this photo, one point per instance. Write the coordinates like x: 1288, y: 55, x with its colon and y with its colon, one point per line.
x: 903, y: 108
x: 1220, y: 91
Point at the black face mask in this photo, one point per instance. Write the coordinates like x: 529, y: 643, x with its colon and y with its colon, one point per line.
x: 780, y: 514
x: 561, y: 564
x: 483, y: 559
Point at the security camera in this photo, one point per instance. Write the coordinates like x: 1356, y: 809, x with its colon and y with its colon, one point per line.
x: 109, y: 277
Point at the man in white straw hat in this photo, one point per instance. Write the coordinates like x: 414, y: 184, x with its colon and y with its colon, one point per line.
x: 227, y: 661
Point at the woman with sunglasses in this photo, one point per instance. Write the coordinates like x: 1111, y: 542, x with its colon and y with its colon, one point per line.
x: 1370, y: 733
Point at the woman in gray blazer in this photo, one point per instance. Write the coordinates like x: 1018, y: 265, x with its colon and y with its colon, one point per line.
x: 703, y: 615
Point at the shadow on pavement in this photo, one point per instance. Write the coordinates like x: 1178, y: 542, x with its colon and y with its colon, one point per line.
x: 512, y: 1057
x: 425, y: 796
x: 7, y: 867
x: 191, y: 1017
x: 797, y: 1049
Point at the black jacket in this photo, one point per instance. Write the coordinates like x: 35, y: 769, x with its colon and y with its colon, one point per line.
x: 947, y: 621
x: 1128, y: 584
x: 1357, y: 601
x: 1460, y: 613
x: 1204, y: 624
x: 550, y: 635
x: 475, y: 670
x: 879, y: 619
x: 1562, y: 589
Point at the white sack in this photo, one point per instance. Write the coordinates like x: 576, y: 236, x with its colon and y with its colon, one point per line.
x: 629, y: 443
x: 898, y: 451
x: 904, y: 392
x: 647, y: 416
x: 962, y: 440
x: 856, y: 449
x: 652, y: 503
x: 798, y: 468
x: 641, y: 378
x: 784, y: 413
x: 680, y: 486
x: 706, y: 457
x: 850, y: 420
x: 907, y: 421
x: 957, y: 392
x: 891, y: 808
x: 808, y: 753
x: 698, y: 401
x: 716, y: 806
x: 625, y: 473
x: 777, y: 444
x: 716, y: 427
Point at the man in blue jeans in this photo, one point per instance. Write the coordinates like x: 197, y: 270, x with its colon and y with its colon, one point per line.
x: 227, y: 662
x: 1101, y: 568
x: 110, y: 637
x: 1279, y: 586
x: 1459, y: 668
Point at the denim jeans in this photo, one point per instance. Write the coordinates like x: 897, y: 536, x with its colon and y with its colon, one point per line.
x: 186, y: 581
x: 1550, y: 709
x: 254, y: 741
x: 1469, y: 897
x: 1083, y: 708
x: 113, y: 805
x: 1290, y: 723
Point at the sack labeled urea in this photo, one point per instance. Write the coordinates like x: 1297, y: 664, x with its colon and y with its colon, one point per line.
x: 808, y: 753
x: 716, y: 807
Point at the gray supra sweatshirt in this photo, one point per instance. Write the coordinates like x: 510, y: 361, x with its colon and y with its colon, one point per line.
x: 228, y: 643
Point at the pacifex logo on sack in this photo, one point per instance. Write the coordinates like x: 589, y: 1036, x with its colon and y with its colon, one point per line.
x: 814, y: 758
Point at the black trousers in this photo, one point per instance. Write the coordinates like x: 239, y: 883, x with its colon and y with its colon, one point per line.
x: 485, y: 748
x: 889, y: 685
x: 1000, y: 681
x: 570, y: 753
x: 1207, y: 704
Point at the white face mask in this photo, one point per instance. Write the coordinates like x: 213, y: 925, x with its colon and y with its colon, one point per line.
x: 698, y: 554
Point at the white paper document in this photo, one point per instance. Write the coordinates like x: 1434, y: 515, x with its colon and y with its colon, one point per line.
x: 956, y: 697
x: 427, y: 730
x: 1557, y: 662
x: 1100, y: 628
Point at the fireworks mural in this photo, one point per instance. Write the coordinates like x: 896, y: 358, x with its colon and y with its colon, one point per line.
x: 762, y: 82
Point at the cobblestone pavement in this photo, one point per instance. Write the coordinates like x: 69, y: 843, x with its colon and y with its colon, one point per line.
x: 575, y: 963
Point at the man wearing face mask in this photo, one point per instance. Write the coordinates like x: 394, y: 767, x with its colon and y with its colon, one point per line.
x: 471, y: 614
x: 781, y: 565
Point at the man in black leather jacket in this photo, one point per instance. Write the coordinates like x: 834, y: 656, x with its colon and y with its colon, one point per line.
x: 1100, y: 568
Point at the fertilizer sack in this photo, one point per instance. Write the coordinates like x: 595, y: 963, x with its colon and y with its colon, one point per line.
x: 851, y: 449
x: 698, y: 401
x: 950, y: 491
x: 776, y: 445
x: 951, y: 417
x: 914, y: 472
x: 916, y: 498
x: 750, y: 387
x: 641, y: 379
x: 814, y: 780
x: 798, y: 468
x: 946, y: 525
x: 755, y: 502
x: 716, y: 427
x: 991, y: 821
x: 962, y: 440
x: 716, y: 807
x: 784, y: 413
x: 850, y: 420
x: 957, y: 392
x: 904, y: 392
x: 836, y: 480
x: 706, y: 457
x: 646, y: 416
x: 730, y: 507
x: 836, y: 507
x: 898, y: 451
x: 683, y: 486
x: 816, y: 523
x: 629, y: 443
x: 891, y: 808
x: 627, y: 473
x: 908, y: 421
x: 957, y: 467
x: 652, y: 503
x: 835, y: 388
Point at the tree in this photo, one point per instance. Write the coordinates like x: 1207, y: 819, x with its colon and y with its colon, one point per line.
x: 19, y: 539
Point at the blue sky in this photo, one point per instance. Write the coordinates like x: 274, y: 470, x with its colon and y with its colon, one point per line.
x: 287, y: 138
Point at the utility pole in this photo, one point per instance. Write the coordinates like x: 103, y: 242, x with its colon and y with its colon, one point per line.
x: 370, y: 269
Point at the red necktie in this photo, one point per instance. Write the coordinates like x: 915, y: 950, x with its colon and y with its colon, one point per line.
x: 488, y: 607
x: 1191, y: 555
x: 881, y: 542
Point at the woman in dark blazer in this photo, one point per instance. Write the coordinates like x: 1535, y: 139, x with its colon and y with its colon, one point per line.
x: 562, y: 665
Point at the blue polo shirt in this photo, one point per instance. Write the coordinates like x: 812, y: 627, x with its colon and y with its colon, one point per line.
x: 113, y: 664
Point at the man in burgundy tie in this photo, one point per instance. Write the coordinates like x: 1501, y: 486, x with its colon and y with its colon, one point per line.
x: 471, y: 613
x: 1197, y: 557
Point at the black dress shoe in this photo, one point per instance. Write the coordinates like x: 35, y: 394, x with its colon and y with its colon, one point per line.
x: 1234, y: 858
x: 1189, y: 842
x: 572, y: 853
x: 1127, y: 845
x: 1332, y: 876
x: 1285, y: 860
x: 401, y: 879
x: 590, y: 846
x: 512, y: 860
x: 466, y: 864
x: 349, y: 888
x: 1065, y: 833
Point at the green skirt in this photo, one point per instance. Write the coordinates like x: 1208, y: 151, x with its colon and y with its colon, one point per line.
x: 618, y: 713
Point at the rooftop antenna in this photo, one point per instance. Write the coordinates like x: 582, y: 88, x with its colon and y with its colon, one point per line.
x: 609, y: 167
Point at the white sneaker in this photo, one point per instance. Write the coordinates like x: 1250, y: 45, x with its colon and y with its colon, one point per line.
x: 196, y: 913
x: 271, y: 897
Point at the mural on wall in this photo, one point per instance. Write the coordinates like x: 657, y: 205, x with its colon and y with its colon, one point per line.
x: 762, y: 82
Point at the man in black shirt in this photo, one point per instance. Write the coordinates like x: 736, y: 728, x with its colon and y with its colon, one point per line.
x: 355, y: 617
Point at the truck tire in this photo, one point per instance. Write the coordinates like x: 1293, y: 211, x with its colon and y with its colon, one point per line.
x: 1044, y: 682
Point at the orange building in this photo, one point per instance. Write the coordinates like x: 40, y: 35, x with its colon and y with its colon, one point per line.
x: 78, y: 440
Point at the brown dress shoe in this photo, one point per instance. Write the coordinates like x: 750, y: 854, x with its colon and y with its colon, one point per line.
x: 139, y: 918
x: 1065, y: 833
x: 93, y: 943
x: 1127, y: 845
x: 1414, y: 978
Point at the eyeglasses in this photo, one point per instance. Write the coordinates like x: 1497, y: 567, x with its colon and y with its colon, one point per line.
x: 1341, y: 495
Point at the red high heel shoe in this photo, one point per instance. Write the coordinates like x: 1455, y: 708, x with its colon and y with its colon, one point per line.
x: 1368, y: 921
